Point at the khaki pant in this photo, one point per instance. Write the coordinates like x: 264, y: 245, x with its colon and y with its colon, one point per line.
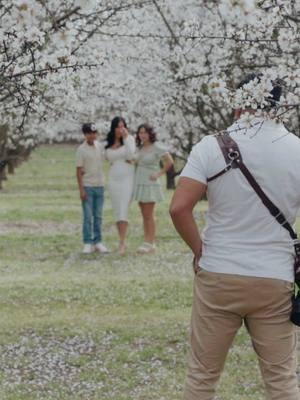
x: 221, y: 303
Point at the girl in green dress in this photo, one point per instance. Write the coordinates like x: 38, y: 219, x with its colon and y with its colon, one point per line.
x: 147, y: 189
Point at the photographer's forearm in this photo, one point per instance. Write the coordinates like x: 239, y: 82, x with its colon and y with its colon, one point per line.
x: 186, y: 196
x: 186, y: 226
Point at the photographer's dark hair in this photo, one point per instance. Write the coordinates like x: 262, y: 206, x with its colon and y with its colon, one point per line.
x: 110, y: 139
x: 151, y: 132
x: 275, y: 93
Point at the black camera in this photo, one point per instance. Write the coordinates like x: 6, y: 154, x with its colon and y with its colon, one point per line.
x: 295, y: 314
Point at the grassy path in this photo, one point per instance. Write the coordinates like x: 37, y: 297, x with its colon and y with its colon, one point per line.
x: 94, y: 327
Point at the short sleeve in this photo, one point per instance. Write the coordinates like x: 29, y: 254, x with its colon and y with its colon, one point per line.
x: 160, y: 149
x: 79, y: 158
x: 197, y: 165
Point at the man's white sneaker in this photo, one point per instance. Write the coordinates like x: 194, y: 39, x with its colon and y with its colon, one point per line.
x: 88, y: 248
x: 101, y: 248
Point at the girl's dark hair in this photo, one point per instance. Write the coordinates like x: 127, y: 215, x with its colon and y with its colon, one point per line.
x: 151, y: 132
x: 111, y: 134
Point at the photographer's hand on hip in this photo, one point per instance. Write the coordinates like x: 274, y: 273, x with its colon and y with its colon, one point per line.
x: 196, y: 259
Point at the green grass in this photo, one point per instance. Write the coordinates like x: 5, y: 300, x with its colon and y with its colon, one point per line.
x: 94, y: 327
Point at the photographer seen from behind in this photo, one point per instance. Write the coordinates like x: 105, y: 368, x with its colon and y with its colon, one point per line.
x: 244, y: 261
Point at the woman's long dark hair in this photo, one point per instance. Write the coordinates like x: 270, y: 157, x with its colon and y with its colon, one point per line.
x: 111, y: 134
x: 151, y: 132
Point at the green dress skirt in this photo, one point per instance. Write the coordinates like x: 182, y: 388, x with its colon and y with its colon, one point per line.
x: 145, y: 190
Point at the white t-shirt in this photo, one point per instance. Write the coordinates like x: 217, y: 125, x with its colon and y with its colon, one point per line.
x: 90, y: 158
x: 241, y: 237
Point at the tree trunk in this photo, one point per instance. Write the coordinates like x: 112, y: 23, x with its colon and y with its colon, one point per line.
x: 2, y: 176
x: 171, y: 178
x: 10, y: 168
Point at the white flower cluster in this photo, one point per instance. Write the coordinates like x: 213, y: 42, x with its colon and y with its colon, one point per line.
x: 47, y: 52
x: 218, y: 47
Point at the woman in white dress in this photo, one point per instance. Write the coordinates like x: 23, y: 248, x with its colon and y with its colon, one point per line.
x: 119, y: 151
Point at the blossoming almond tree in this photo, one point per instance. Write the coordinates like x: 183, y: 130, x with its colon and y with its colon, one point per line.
x: 43, y: 46
x: 215, y: 51
x: 175, y: 64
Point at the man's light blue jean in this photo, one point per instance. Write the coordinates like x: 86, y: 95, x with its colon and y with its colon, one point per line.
x: 92, y: 214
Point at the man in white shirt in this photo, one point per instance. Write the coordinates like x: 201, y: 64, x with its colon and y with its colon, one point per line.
x: 244, y: 261
x: 90, y: 178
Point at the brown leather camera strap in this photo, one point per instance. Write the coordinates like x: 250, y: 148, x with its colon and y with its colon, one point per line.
x: 233, y: 158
